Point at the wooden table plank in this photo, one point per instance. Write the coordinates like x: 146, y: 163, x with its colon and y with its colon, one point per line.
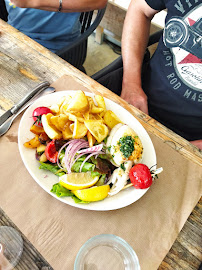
x: 186, y: 252
x: 31, y: 258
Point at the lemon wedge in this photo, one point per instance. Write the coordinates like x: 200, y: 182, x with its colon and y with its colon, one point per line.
x: 75, y: 181
x: 80, y: 130
x: 97, y: 129
x: 92, y: 194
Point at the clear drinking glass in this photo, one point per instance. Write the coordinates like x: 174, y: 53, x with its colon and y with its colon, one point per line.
x: 11, y: 247
x: 106, y: 251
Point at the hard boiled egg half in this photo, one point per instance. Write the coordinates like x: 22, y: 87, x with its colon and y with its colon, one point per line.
x: 124, y: 144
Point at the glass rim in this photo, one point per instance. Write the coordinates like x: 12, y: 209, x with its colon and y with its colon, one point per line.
x: 109, y: 240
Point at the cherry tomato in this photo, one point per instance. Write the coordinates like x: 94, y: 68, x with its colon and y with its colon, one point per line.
x: 38, y: 112
x: 51, y: 152
x: 140, y: 176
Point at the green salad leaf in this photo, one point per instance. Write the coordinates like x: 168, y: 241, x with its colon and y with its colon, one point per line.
x: 86, y: 167
x: 101, y: 180
x: 52, y: 168
x: 60, y: 191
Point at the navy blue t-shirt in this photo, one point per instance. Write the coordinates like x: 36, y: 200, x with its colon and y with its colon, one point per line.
x: 173, y: 80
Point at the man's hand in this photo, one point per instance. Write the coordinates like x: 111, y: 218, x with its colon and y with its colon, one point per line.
x: 136, y: 97
x: 197, y: 143
x: 134, y: 43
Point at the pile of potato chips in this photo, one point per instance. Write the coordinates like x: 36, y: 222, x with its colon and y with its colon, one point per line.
x: 77, y: 116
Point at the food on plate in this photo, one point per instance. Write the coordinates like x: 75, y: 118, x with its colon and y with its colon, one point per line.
x: 97, y: 129
x: 49, y: 128
x: 110, y: 119
x: 141, y: 176
x: 124, y: 144
x: 38, y: 112
x: 33, y: 143
x: 78, y: 103
x: 36, y: 129
x: 120, y: 177
x: 93, y: 194
x: 50, y: 152
x: 75, y: 181
x: 86, y: 146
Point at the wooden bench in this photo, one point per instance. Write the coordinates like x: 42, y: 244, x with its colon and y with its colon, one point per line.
x: 111, y: 26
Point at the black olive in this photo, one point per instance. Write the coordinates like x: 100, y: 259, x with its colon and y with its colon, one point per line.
x: 59, y: 144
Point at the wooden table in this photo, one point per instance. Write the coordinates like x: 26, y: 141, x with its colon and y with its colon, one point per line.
x: 31, y: 258
x: 25, y: 63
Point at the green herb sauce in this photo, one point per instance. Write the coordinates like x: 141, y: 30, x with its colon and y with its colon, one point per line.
x: 123, y: 167
x: 126, y: 144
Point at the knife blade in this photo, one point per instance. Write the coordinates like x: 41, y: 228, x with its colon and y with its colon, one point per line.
x: 38, y: 89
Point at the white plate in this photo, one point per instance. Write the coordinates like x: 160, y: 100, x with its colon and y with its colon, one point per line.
x: 46, y: 179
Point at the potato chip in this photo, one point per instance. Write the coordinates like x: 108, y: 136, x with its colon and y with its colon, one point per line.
x: 63, y: 120
x: 71, y: 126
x: 74, y: 117
x: 92, y: 117
x: 59, y: 121
x: 66, y: 132
x: 80, y: 115
x: 92, y: 107
x: 101, y: 102
x: 63, y: 107
x: 96, y: 109
x: 55, y: 108
x: 98, y: 117
x: 97, y: 129
x: 49, y: 128
x: 62, y: 100
x: 78, y: 103
x: 95, y: 117
x: 90, y: 100
x: 91, y: 139
x: 54, y: 121
x: 86, y: 115
x: 110, y: 119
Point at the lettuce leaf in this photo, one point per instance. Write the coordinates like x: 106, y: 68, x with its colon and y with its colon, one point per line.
x: 101, y: 180
x: 52, y: 168
x: 86, y: 167
x: 60, y: 191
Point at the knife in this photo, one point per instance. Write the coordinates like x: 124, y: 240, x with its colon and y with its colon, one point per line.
x: 38, y: 89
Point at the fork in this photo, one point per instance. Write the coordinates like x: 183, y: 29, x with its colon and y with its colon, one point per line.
x: 5, y: 126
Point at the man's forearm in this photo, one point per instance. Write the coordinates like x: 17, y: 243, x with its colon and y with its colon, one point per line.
x: 135, y: 39
x: 67, y: 6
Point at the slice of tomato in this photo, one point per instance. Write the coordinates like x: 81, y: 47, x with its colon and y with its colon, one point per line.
x: 50, y: 152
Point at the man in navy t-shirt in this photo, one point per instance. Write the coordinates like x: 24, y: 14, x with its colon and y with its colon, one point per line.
x: 41, y: 21
x: 171, y: 90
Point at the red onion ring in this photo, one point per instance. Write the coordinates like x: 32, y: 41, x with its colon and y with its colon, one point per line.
x: 92, y: 154
x: 76, y: 146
